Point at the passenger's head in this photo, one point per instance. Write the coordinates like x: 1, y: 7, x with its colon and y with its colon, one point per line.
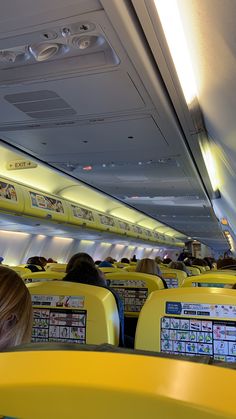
x: 85, y: 273
x: 166, y: 261
x: 97, y: 262
x: 105, y: 264
x: 158, y: 260
x: 133, y: 259
x: 79, y: 257
x: 180, y: 266
x: 37, y: 260
x: 124, y: 260
x: 147, y: 266
x: 199, y: 262
x: 50, y: 260
x: 109, y: 259
x: 226, y: 262
x: 15, y: 310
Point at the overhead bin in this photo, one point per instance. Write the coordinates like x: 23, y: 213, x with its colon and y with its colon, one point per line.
x: 11, y: 196
x: 20, y: 199
x: 43, y: 205
x: 82, y: 216
x: 108, y: 223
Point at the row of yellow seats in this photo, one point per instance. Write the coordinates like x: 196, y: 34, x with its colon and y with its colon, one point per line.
x: 95, y: 384
x: 89, y: 309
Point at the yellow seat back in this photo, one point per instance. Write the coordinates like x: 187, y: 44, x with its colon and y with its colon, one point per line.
x: 109, y: 269
x: 130, y: 268
x: 42, y: 276
x: 219, y: 279
x: 133, y: 289
x: 201, y: 268
x: 174, y: 278
x: 56, y: 267
x: 20, y: 270
x: 194, y: 270
x: 76, y: 313
x: 73, y: 384
x: 121, y: 265
x: 207, y: 268
x: 189, y: 321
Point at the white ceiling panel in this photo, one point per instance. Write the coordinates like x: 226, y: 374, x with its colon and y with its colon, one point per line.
x: 95, y: 143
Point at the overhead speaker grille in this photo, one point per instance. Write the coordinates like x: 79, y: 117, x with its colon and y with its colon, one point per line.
x: 41, y: 104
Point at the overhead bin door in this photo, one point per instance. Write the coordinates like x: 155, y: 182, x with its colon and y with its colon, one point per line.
x: 39, y: 204
x: 11, y: 196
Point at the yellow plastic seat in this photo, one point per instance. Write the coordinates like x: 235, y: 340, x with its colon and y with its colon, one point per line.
x: 189, y: 321
x: 207, y: 268
x: 56, y: 267
x: 65, y: 385
x: 133, y: 289
x: 20, y: 270
x: 76, y: 313
x: 174, y: 278
x: 109, y: 269
x: 193, y: 270
x: 201, y: 268
x: 42, y: 276
x: 130, y: 268
x: 121, y: 265
x: 217, y: 279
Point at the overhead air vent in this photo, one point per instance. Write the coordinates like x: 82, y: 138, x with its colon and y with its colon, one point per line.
x: 41, y: 104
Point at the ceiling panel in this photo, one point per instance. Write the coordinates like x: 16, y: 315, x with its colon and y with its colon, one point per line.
x: 124, y: 125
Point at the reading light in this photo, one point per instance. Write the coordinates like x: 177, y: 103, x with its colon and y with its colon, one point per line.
x: 89, y: 41
x: 173, y: 29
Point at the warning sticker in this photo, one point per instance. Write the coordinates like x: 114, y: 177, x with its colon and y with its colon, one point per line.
x: 65, y: 301
x: 58, y: 325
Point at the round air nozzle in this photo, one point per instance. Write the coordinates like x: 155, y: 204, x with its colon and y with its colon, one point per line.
x: 42, y: 52
x: 84, y: 42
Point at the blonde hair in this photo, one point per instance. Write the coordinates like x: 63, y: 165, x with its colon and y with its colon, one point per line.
x: 15, y: 310
x: 147, y: 266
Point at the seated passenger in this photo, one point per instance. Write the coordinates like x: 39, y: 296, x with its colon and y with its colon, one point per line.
x: 81, y: 256
x: 84, y: 272
x: 15, y: 310
x: 179, y: 266
x: 226, y: 263
x: 199, y: 262
x: 166, y: 261
x: 124, y: 260
x: 109, y: 259
x: 97, y: 262
x: 134, y: 259
x: 149, y: 266
x: 36, y: 263
x: 105, y: 264
x: 158, y: 260
x: 50, y: 260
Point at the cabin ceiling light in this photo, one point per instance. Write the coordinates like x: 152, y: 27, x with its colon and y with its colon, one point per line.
x: 173, y: 29
x: 44, y: 51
